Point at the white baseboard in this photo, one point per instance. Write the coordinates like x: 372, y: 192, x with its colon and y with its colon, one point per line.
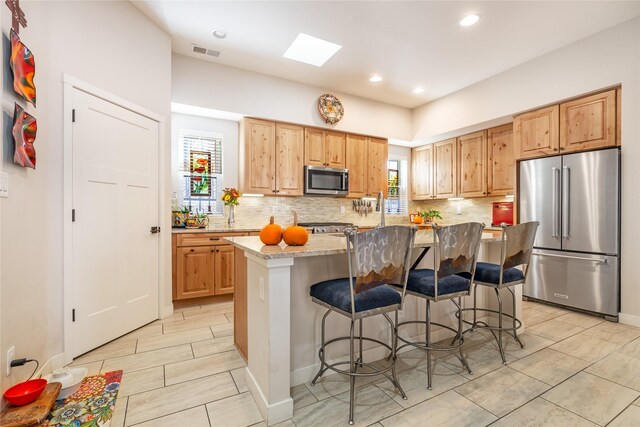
x: 166, y: 311
x: 629, y: 319
x: 272, y: 414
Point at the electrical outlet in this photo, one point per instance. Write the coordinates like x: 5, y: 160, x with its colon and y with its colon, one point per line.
x: 343, y: 209
x: 459, y: 210
x: 274, y: 209
x: 4, y: 184
x: 11, y: 354
x: 261, y: 296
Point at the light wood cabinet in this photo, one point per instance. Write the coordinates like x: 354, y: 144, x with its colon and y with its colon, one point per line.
x: 422, y: 173
x: 366, y: 159
x: 324, y: 148
x: 501, y: 164
x: 289, y: 160
x: 472, y: 165
x: 356, y: 162
x: 203, y: 265
x: 588, y: 123
x: 536, y: 133
x: 272, y: 158
x: 445, y: 175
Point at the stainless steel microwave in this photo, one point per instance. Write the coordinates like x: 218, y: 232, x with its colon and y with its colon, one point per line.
x: 326, y: 181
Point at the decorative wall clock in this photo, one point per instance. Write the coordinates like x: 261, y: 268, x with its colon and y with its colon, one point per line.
x: 330, y: 108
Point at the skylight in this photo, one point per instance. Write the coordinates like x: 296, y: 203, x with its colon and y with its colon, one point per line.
x: 311, y: 50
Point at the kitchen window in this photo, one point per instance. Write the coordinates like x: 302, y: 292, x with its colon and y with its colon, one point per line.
x: 201, y: 169
x: 396, y: 202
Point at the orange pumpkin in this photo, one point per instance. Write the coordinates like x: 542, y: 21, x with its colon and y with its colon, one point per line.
x: 271, y: 234
x: 418, y: 219
x: 295, y: 235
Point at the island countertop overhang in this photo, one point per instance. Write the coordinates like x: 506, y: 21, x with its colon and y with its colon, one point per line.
x: 326, y: 244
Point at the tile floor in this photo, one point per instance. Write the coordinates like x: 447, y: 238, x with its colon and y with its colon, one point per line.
x: 575, y: 370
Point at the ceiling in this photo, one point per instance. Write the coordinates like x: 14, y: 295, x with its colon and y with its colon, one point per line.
x: 408, y: 43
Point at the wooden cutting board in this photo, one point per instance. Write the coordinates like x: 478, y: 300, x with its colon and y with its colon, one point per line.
x: 33, y: 413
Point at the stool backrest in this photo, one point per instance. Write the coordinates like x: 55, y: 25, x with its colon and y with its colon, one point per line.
x: 455, y: 249
x: 380, y: 256
x: 517, y: 245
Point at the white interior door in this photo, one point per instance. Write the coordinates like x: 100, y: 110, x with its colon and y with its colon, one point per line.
x: 115, y: 199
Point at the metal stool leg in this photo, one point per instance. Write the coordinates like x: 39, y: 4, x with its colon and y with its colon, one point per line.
x: 360, y: 356
x: 475, y: 312
x: 504, y: 360
x: 352, y: 370
x: 428, y: 339
x: 394, y: 356
x: 321, y: 352
x: 462, y: 358
x: 515, y: 335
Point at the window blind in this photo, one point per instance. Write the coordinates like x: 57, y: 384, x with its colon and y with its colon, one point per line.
x: 396, y: 202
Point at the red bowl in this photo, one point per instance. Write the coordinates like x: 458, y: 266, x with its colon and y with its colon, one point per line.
x: 26, y: 392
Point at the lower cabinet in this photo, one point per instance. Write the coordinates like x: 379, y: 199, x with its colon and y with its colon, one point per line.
x: 203, y: 265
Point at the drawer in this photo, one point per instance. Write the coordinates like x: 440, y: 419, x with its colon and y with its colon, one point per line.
x: 205, y: 239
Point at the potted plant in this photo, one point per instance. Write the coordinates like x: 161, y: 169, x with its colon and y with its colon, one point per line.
x: 430, y: 215
x: 179, y: 216
x: 203, y: 220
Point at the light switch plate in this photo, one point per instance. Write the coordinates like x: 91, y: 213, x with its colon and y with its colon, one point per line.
x: 4, y: 184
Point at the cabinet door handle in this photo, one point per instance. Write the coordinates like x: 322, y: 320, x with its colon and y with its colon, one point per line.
x: 192, y: 250
x: 214, y: 238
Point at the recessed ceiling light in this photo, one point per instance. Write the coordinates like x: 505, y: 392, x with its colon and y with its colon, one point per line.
x: 219, y: 34
x: 375, y: 79
x: 311, y: 50
x: 418, y: 90
x: 469, y: 20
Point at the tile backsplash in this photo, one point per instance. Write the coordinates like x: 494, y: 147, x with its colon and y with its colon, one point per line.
x: 255, y: 211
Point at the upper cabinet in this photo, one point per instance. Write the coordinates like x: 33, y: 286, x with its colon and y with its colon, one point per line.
x: 445, y: 177
x: 472, y: 162
x: 588, y: 123
x: 422, y: 173
x: 501, y: 164
x: 536, y: 132
x: 272, y: 158
x: 324, y: 148
x: 366, y: 160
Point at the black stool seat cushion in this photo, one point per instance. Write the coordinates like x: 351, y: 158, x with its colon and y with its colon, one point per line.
x: 337, y: 293
x: 490, y: 273
x: 422, y: 281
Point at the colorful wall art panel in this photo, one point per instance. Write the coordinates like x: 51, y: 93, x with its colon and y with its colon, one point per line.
x: 24, y: 135
x: 200, y: 168
x: 23, y: 66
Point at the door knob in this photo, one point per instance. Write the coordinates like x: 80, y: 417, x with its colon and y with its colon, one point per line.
x: 155, y: 229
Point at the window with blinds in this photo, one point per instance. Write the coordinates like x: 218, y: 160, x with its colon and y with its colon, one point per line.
x: 396, y: 202
x: 201, y: 168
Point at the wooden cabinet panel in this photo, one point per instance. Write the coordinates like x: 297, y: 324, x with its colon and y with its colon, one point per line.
x: 356, y: 162
x: 471, y: 168
x: 445, y: 169
x: 619, y: 116
x: 422, y: 173
x: 195, y: 272
x: 289, y: 160
x: 314, y: 147
x: 536, y: 133
x: 588, y: 123
x: 377, y: 156
x: 203, y: 239
x: 501, y: 170
x: 334, y: 149
x: 260, y: 162
x: 224, y: 269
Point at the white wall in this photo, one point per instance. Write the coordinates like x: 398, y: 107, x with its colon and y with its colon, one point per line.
x: 229, y: 131
x: 605, y: 59
x: 206, y: 84
x: 110, y: 45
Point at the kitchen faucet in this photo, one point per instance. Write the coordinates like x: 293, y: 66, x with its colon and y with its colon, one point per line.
x: 380, y: 207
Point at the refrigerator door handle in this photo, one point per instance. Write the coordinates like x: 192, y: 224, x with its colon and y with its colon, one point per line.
x: 555, y: 211
x: 566, y: 184
x: 598, y: 260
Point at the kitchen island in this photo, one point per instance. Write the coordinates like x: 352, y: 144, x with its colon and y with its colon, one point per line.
x: 284, y: 324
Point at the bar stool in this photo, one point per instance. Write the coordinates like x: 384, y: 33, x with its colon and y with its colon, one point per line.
x: 515, y: 250
x: 376, y: 258
x: 455, y: 251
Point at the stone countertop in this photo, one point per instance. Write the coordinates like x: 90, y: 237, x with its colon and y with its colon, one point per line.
x: 215, y: 228
x: 325, y: 244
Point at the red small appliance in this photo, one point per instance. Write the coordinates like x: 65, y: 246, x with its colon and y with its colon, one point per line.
x: 502, y: 213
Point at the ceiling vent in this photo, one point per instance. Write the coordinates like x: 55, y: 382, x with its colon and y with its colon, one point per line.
x: 204, y: 51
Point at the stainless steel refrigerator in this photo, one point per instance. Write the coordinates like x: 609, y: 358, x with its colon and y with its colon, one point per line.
x: 576, y: 257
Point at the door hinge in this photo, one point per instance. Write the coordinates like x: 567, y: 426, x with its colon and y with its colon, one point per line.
x: 73, y: 215
x: 73, y: 115
x: 73, y: 315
